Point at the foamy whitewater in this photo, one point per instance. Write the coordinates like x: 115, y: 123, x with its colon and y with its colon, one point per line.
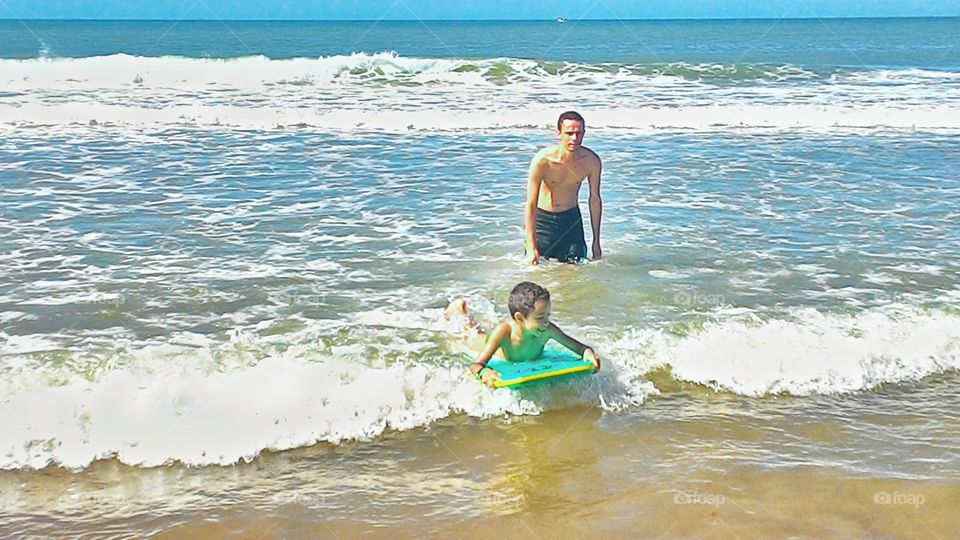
x: 218, y: 414
x: 206, y: 257
x: 385, y: 91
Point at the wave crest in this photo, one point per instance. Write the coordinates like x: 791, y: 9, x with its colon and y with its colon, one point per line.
x: 809, y: 353
x: 384, y: 68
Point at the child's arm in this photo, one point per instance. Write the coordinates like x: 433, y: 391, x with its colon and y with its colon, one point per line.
x: 583, y: 351
x: 479, y: 366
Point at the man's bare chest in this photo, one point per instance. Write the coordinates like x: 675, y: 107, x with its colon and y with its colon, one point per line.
x: 563, y: 175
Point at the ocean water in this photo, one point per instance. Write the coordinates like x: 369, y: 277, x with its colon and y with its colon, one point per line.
x: 225, y: 249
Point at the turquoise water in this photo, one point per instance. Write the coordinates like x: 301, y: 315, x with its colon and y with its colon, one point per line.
x: 894, y: 43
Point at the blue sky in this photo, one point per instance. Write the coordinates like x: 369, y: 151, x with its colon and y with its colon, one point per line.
x: 469, y: 9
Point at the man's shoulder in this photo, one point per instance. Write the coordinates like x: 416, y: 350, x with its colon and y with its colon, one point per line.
x: 546, y: 153
x: 589, y: 154
x: 590, y: 160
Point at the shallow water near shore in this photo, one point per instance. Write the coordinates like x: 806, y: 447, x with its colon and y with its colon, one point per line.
x: 694, y: 463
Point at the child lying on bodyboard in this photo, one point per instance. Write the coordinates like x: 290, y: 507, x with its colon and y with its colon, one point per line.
x: 520, y: 338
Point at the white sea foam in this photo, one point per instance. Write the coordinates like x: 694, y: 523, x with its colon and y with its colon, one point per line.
x: 486, y: 116
x: 813, y: 353
x: 185, y: 403
x: 668, y: 274
x: 11, y: 345
x: 203, y: 418
x: 257, y: 71
x: 904, y: 76
x: 881, y: 278
x: 388, y: 92
x: 7, y: 316
x: 222, y: 418
x: 180, y: 72
x: 917, y: 268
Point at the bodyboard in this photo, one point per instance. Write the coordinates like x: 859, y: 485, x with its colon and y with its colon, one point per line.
x: 548, y: 366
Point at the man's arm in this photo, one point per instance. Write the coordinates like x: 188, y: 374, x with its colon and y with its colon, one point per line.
x: 479, y: 366
x: 596, y: 207
x: 534, y: 177
x: 583, y: 351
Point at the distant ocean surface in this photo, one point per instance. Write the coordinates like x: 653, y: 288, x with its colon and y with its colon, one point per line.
x: 225, y: 248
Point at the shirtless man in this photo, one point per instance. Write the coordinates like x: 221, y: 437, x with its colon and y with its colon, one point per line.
x: 552, y: 216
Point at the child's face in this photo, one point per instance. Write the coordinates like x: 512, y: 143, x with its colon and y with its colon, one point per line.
x: 539, y: 319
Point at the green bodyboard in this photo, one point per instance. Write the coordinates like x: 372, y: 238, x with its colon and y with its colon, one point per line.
x: 550, y: 365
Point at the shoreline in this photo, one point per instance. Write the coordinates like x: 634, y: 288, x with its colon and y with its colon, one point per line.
x: 560, y: 473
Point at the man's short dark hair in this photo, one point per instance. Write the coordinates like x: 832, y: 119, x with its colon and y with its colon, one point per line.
x: 524, y: 296
x: 570, y: 115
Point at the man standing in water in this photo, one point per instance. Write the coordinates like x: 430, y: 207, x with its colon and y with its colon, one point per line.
x: 552, y: 218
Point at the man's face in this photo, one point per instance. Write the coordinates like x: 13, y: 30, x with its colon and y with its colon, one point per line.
x: 571, y: 134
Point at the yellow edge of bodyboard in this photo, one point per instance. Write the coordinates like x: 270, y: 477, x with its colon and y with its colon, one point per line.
x: 500, y: 383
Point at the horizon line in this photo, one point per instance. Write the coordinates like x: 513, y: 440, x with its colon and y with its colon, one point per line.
x: 555, y: 19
